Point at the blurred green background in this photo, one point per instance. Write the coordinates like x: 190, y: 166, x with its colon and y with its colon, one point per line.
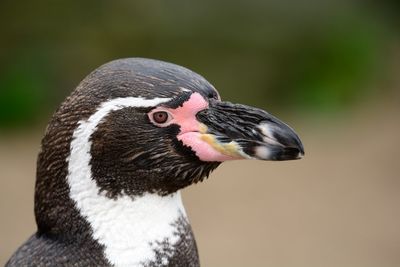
x: 330, y: 68
x: 298, y: 55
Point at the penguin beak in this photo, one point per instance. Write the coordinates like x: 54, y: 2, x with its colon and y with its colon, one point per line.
x: 240, y: 131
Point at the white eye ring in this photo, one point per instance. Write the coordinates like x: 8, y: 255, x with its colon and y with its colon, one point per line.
x: 160, y: 117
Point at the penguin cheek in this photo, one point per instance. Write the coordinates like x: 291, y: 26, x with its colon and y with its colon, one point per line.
x: 203, y: 150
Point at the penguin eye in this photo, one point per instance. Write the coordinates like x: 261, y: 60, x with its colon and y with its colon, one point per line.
x: 160, y: 116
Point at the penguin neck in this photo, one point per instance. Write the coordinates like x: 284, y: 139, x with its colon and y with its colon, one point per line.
x: 133, y: 230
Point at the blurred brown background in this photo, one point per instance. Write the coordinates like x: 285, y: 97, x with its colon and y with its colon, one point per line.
x: 331, y: 69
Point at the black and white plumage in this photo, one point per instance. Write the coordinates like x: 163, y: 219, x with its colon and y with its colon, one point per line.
x: 118, y: 150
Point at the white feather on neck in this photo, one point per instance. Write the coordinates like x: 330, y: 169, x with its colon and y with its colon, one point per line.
x: 125, y: 227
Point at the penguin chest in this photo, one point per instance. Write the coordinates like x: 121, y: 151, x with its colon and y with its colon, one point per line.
x: 146, y: 231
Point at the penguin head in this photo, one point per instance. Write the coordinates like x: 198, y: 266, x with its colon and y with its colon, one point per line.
x: 148, y: 126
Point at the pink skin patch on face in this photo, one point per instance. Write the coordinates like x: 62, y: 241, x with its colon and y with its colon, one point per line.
x: 190, y: 128
x: 203, y: 150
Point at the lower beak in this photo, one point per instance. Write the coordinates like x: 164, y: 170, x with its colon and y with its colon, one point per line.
x: 241, y: 131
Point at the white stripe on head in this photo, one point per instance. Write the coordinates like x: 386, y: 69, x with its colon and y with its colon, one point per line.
x: 185, y: 89
x: 124, y: 226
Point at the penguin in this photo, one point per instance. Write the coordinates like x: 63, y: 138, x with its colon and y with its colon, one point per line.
x: 116, y: 154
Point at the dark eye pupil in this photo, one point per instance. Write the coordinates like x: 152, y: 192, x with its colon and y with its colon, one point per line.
x: 160, y: 117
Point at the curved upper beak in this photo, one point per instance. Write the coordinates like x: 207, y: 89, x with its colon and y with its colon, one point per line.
x: 246, y: 132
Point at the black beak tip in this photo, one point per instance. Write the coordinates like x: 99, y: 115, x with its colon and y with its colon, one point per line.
x: 301, y: 152
x: 290, y: 153
x: 292, y: 147
x: 299, y: 149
